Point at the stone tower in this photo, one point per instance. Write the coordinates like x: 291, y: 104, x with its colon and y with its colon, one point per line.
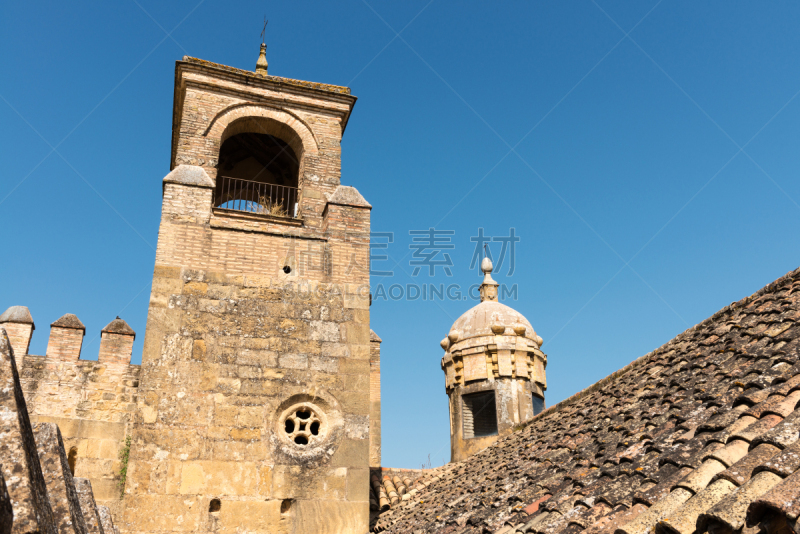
x: 494, y: 372
x: 254, y: 400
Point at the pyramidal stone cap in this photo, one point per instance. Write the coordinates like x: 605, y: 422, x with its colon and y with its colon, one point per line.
x: 189, y: 175
x: 374, y: 337
x: 348, y: 196
x: 69, y: 320
x: 17, y: 314
x: 118, y: 326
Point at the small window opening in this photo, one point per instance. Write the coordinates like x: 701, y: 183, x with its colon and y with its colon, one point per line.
x: 257, y: 173
x: 538, y: 404
x: 287, y: 269
x: 214, y: 506
x: 302, y: 426
x: 71, y: 459
x: 479, y: 415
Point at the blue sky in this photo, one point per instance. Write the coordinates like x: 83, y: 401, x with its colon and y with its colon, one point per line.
x: 644, y: 152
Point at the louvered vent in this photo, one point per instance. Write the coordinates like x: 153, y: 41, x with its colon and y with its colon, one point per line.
x: 479, y: 415
x: 538, y: 404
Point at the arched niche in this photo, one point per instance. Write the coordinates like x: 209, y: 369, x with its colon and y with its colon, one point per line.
x: 260, y: 162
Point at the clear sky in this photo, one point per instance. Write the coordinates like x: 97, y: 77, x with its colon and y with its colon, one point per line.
x: 645, y: 153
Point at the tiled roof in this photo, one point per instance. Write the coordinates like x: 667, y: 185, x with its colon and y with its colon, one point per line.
x: 701, y: 435
x: 390, y: 486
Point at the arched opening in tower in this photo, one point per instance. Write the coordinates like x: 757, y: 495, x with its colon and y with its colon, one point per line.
x: 257, y: 173
x: 72, y: 457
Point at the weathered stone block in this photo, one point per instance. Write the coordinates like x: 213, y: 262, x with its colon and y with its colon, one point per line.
x: 219, y: 478
x: 324, y: 331
x: 245, y: 434
x: 336, y: 350
x: 88, y: 506
x: 357, y: 484
x: 253, y: 516
x: 352, y: 366
x: 106, y: 521
x: 167, y: 286
x: 351, y: 453
x: 356, y: 333
x: 250, y: 416
x: 163, y: 513
x: 6, y: 511
x: 20, y: 465
x: 356, y: 383
x: 293, y: 361
x: 195, y: 288
x: 164, y: 271
x: 237, y: 451
x: 323, y: 364
x: 58, y: 478
x: 295, y: 482
x: 330, y: 517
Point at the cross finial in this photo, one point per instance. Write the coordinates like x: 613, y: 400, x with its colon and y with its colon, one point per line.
x: 264, y: 29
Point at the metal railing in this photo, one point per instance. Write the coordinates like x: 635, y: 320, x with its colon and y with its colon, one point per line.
x: 249, y: 196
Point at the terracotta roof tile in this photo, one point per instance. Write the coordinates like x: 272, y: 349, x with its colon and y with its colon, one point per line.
x: 783, y: 498
x: 686, y: 438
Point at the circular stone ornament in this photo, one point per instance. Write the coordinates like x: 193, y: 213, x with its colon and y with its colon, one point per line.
x: 303, y: 424
x: 306, y: 429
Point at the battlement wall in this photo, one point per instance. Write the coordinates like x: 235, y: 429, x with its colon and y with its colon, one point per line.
x: 93, y: 402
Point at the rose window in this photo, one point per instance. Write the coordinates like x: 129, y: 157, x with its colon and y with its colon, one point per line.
x: 302, y: 425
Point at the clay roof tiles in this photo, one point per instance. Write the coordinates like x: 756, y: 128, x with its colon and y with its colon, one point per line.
x: 699, y: 435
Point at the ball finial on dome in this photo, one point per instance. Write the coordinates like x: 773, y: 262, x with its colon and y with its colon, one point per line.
x: 486, y: 265
x: 488, y: 288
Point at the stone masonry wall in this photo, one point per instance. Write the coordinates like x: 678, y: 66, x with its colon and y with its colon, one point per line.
x: 235, y: 349
x: 374, y: 400
x: 92, y: 402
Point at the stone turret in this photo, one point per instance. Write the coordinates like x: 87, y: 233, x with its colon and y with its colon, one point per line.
x: 494, y: 372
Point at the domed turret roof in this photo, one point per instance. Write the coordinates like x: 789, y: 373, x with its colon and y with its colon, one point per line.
x: 479, y: 320
x: 490, y: 317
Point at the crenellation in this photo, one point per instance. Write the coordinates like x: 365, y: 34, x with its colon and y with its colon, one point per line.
x: 92, y: 401
x: 19, y: 326
x: 66, y: 338
x: 116, y: 343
